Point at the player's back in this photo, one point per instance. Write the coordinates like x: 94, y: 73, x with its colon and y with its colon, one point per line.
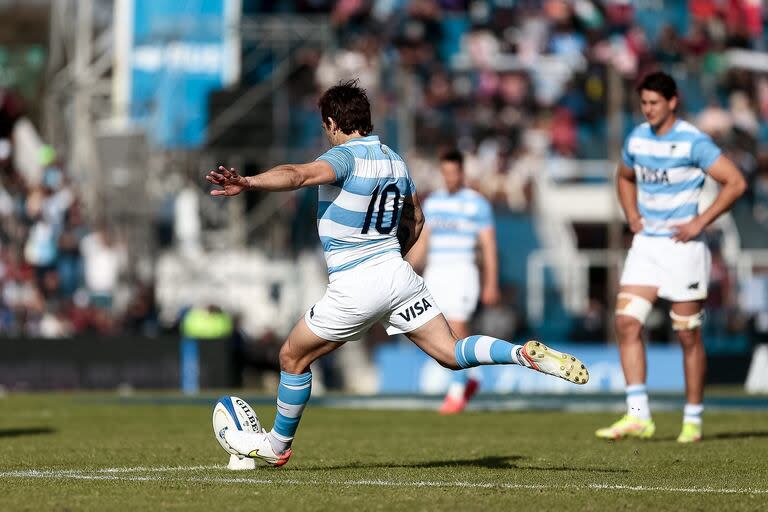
x: 358, y: 214
x: 454, y: 222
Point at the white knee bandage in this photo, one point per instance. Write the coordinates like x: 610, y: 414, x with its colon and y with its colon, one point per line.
x: 633, y: 305
x: 686, y: 322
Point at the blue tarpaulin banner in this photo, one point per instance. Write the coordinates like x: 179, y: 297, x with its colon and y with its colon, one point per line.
x: 180, y: 52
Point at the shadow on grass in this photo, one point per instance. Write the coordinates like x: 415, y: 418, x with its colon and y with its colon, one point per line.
x: 28, y: 431
x: 736, y: 435
x: 706, y: 438
x: 489, y: 462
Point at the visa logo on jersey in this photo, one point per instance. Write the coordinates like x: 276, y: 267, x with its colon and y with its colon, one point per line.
x: 415, y: 310
x: 648, y: 175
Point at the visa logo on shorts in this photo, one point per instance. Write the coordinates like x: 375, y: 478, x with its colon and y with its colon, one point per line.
x: 415, y: 310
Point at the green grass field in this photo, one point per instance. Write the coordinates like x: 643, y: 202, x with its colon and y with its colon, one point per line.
x: 90, y: 452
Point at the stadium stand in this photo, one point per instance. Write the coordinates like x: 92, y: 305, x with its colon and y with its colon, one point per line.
x: 523, y: 88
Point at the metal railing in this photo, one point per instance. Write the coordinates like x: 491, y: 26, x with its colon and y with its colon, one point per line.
x: 574, y: 278
x: 574, y: 272
x: 747, y: 263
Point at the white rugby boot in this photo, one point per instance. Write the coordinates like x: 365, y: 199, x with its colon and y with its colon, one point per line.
x: 548, y: 360
x: 255, y: 445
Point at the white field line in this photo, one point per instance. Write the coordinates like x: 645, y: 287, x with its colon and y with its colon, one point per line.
x: 53, y: 473
x: 124, y: 474
x: 157, y: 469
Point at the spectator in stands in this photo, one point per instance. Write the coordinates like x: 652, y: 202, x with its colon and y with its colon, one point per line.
x: 104, y: 258
x: 69, y: 263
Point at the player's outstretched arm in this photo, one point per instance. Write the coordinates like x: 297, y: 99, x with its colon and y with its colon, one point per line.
x: 282, y: 177
x: 411, y: 224
x: 733, y: 185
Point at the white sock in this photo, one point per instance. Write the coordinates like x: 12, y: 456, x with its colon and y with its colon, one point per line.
x: 518, y: 356
x: 279, y: 443
x: 637, y: 402
x: 456, y: 390
x: 692, y: 413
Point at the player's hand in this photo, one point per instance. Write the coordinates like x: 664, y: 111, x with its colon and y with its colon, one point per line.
x: 636, y: 224
x: 230, y: 182
x: 490, y: 296
x: 688, y: 231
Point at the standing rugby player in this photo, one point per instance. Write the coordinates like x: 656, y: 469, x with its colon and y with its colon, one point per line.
x: 459, y: 222
x: 664, y: 164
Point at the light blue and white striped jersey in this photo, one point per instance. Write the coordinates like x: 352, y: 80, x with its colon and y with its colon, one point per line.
x: 670, y: 171
x: 358, y: 214
x: 454, y: 221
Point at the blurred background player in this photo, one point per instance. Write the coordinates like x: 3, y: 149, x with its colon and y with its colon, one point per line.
x: 368, y: 216
x: 459, y: 221
x: 664, y: 165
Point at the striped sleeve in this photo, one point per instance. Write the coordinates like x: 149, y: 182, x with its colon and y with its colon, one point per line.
x: 342, y: 162
x: 484, y: 214
x: 704, y: 152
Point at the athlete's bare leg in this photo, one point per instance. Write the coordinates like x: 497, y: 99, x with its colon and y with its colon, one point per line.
x: 302, y: 348
x: 459, y: 327
x: 463, y: 385
x: 438, y: 340
x: 637, y: 421
x: 694, y: 356
x: 628, y: 332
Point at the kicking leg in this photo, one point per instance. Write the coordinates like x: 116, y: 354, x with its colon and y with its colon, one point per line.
x: 436, y: 339
x: 300, y: 350
x: 463, y: 384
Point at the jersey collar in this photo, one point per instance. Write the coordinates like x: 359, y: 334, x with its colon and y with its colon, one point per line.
x: 363, y: 141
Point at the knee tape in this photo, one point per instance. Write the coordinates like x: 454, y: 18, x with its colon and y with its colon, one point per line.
x: 633, y: 305
x: 686, y: 322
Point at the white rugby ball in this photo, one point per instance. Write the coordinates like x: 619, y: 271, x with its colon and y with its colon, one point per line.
x: 235, y: 413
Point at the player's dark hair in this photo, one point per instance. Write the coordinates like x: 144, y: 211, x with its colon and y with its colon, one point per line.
x: 347, y: 104
x: 453, y: 155
x: 659, y: 82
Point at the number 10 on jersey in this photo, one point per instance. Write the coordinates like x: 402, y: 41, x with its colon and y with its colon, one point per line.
x: 380, y: 227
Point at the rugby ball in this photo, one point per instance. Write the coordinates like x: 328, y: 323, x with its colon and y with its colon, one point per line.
x: 235, y: 413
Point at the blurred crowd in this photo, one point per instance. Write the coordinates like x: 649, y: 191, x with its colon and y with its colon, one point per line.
x: 520, y: 86
x: 59, y: 275
x: 517, y: 84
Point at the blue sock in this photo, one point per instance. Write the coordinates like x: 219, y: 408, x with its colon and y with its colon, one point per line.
x: 292, y: 395
x: 476, y: 350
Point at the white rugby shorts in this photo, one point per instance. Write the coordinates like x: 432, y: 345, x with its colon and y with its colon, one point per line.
x: 389, y: 292
x: 680, y: 270
x: 456, y: 289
